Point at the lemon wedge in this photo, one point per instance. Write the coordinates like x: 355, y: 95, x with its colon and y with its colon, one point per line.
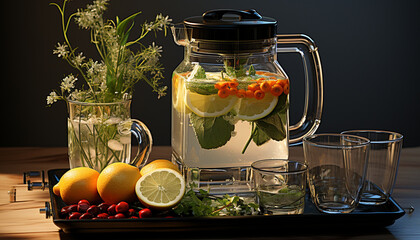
x: 161, y: 189
x: 209, y: 105
x: 251, y: 109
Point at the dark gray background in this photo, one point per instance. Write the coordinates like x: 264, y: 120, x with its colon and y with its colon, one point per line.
x: 369, y: 52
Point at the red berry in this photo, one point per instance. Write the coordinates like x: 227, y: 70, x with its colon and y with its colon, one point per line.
x: 133, y: 217
x: 119, y: 216
x: 111, y: 210
x: 94, y: 210
x: 102, y: 215
x: 104, y: 207
x: 84, y: 201
x: 111, y: 217
x: 145, y: 213
x: 95, y: 218
x: 75, y: 215
x: 132, y: 212
x: 73, y: 208
x: 122, y: 207
x: 82, y: 208
x: 86, y: 216
x: 65, y: 211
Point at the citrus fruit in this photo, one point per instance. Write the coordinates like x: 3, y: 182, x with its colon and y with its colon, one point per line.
x: 178, y: 93
x: 161, y: 189
x: 156, y: 164
x: 251, y: 109
x: 56, y: 189
x: 117, y: 181
x: 209, y: 105
x: 78, y: 183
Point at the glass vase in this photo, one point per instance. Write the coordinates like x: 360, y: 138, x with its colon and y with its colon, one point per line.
x: 100, y: 134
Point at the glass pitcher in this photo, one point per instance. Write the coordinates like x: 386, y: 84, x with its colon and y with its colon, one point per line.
x: 230, y: 97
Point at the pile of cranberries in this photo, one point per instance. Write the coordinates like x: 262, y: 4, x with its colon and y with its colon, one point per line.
x: 84, y: 210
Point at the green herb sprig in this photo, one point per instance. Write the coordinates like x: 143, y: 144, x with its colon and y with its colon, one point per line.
x: 199, y: 203
x: 112, y: 78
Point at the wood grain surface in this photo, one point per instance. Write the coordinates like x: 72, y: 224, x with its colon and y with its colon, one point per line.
x: 22, y: 220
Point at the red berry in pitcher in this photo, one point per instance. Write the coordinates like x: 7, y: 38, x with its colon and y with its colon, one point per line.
x: 122, y: 207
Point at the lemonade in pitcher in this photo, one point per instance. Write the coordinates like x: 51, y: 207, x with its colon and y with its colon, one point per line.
x: 221, y: 124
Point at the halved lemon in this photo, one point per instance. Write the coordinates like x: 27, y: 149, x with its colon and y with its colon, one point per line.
x: 161, y: 189
x: 209, y: 105
x: 251, y: 109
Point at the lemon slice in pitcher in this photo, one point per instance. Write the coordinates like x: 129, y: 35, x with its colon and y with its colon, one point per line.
x: 251, y: 109
x: 209, y: 105
x: 161, y: 189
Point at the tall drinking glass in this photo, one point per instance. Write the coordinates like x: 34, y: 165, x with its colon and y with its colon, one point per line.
x: 336, y: 170
x: 384, y: 156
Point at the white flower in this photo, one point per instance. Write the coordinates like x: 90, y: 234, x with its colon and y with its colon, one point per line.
x: 155, y: 49
x: 52, y: 98
x: 68, y: 83
x: 61, y: 50
x: 86, y: 19
x: 92, y: 15
x: 99, y: 5
x: 95, y: 68
x: 78, y: 60
x: 163, y: 20
x: 77, y: 95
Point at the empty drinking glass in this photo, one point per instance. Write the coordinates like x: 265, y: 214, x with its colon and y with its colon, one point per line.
x: 384, y: 156
x: 336, y: 170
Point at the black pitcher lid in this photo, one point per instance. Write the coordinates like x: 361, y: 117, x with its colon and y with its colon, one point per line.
x: 230, y: 24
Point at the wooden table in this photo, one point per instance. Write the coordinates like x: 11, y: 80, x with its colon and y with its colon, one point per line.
x: 22, y: 220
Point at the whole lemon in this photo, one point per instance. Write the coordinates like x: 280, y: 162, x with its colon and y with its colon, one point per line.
x: 117, y: 183
x: 77, y: 184
x: 157, y: 164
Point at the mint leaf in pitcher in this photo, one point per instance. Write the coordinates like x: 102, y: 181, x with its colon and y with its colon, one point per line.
x: 260, y: 137
x: 211, y: 132
x: 273, y: 126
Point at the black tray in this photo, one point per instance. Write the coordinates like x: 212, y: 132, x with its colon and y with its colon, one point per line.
x: 363, y: 217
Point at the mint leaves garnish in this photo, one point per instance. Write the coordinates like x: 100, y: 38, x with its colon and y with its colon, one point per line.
x: 200, y: 203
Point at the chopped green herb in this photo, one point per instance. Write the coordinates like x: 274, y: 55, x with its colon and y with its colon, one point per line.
x: 200, y: 203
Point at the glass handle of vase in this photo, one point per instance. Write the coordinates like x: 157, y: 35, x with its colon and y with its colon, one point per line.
x: 309, y: 123
x: 144, y: 140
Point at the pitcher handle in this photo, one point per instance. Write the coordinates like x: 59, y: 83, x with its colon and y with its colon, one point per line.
x: 144, y: 140
x: 312, y: 112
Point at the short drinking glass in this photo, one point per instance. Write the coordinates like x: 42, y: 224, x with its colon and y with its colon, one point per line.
x: 280, y: 186
x: 336, y: 170
x: 384, y: 156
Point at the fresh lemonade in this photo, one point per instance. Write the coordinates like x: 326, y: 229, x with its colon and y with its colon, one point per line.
x: 221, y: 122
